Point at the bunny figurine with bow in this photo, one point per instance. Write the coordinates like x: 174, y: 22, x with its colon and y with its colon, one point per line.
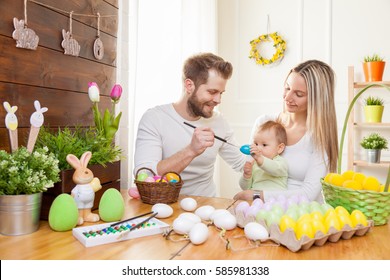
x: 86, y: 186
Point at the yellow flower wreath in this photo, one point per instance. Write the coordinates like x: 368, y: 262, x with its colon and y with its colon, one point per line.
x: 279, y: 45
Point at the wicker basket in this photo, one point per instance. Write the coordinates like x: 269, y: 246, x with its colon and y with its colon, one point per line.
x: 375, y: 205
x: 158, y: 192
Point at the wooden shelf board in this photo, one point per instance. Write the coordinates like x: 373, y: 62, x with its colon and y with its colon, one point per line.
x: 365, y: 163
x: 364, y: 84
x: 365, y: 124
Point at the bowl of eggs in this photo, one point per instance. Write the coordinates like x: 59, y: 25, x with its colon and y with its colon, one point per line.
x: 154, y: 189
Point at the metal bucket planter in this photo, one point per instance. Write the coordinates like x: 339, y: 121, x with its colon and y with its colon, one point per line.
x: 373, y: 156
x: 19, y: 214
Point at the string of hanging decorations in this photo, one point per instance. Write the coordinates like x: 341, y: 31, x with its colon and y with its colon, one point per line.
x: 27, y: 38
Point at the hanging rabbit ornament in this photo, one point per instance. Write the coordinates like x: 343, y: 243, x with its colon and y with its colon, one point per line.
x: 36, y: 121
x: 11, y: 122
x: 25, y: 37
x: 70, y: 45
x: 98, y: 48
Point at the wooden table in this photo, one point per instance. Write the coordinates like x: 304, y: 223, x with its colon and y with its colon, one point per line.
x: 46, y: 244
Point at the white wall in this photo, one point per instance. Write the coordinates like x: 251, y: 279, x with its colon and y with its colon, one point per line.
x: 340, y: 33
x: 152, y: 43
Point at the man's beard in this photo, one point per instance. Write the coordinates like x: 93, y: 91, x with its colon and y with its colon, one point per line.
x: 195, y: 108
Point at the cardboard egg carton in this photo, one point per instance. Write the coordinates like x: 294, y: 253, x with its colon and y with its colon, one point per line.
x: 289, y: 240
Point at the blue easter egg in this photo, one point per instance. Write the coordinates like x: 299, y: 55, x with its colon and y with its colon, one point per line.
x: 245, y: 149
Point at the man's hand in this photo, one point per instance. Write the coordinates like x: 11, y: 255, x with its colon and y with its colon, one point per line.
x: 202, y: 139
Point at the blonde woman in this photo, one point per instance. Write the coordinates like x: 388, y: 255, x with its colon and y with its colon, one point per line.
x: 310, y: 120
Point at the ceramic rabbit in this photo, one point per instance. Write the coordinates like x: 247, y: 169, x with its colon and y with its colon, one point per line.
x: 86, y: 186
x: 25, y: 37
x: 70, y: 45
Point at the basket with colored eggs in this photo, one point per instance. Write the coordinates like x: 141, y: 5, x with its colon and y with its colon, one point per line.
x: 298, y: 224
x: 158, y: 189
x: 356, y: 191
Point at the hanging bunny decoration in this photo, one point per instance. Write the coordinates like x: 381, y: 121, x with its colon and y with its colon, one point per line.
x: 25, y: 37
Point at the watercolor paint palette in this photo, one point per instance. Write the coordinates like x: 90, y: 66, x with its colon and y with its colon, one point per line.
x: 100, y: 234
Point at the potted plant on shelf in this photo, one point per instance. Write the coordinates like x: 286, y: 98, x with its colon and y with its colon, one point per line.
x: 24, y: 176
x: 373, y: 67
x: 373, y: 109
x: 374, y: 144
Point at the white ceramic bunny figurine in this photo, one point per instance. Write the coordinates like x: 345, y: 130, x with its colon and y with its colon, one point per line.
x: 86, y: 186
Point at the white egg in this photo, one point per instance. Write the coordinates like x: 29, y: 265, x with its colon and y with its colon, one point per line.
x: 190, y: 216
x: 188, y: 204
x: 182, y: 225
x: 204, y: 212
x: 199, y: 234
x: 163, y: 210
x: 218, y: 212
x: 258, y: 202
x: 255, y: 231
x: 225, y: 221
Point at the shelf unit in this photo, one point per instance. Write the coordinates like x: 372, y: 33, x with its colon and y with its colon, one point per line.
x: 353, y: 125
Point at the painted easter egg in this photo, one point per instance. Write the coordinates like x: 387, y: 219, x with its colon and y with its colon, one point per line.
x: 172, y: 177
x: 63, y: 213
x: 245, y: 149
x: 142, y: 176
x: 111, y: 206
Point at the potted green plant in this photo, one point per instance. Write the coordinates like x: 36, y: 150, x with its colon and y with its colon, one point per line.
x: 373, y: 67
x: 374, y: 144
x: 373, y: 109
x: 24, y: 176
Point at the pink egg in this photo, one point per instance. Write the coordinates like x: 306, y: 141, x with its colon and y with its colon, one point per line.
x: 252, y: 211
x: 242, y: 206
x: 258, y: 202
x: 133, y: 192
x: 149, y: 179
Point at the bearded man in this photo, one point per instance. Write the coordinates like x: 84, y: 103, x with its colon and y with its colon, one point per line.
x: 164, y: 143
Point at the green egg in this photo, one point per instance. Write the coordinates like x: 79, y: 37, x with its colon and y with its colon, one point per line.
x: 111, y: 206
x: 63, y: 213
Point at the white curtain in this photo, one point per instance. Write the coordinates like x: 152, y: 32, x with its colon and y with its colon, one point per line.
x: 166, y: 33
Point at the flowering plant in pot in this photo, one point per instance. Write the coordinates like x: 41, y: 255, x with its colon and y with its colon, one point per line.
x: 373, y: 67
x: 24, y: 176
x: 374, y: 143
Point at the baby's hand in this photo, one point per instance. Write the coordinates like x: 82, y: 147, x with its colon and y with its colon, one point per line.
x: 248, y: 169
x: 257, y: 154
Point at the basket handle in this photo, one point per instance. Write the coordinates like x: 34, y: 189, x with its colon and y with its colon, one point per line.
x: 142, y: 168
x: 173, y: 173
x: 346, y: 122
x: 387, y: 181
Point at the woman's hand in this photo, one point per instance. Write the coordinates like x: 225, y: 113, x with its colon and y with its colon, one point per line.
x: 244, y: 195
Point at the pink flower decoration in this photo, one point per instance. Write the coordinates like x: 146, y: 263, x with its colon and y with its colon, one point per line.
x: 116, y: 92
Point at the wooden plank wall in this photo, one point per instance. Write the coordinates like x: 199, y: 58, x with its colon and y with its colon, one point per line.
x: 58, y: 81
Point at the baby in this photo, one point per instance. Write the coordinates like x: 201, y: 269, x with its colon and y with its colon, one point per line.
x: 270, y: 170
